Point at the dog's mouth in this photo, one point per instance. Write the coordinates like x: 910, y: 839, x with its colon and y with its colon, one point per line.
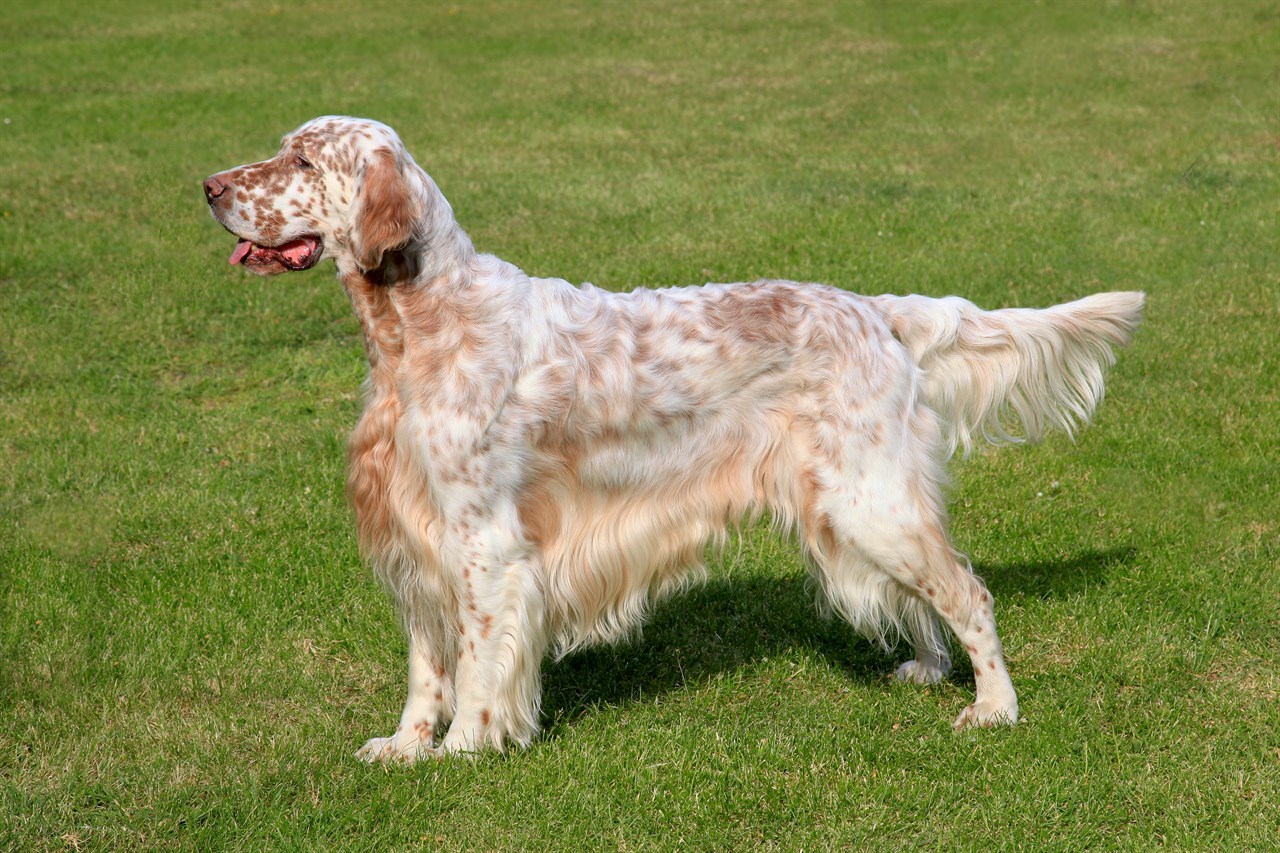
x: 300, y: 254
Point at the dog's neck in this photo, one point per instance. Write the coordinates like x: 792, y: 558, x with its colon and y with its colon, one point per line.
x: 425, y: 298
x: 401, y: 313
x: 439, y: 251
x: 379, y: 322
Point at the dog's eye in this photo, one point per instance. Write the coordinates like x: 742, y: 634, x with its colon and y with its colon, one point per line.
x: 302, y: 162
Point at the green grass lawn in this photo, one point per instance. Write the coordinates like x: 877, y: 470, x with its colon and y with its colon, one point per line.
x: 190, y: 649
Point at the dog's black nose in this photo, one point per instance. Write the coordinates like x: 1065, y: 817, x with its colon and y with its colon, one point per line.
x: 213, y: 188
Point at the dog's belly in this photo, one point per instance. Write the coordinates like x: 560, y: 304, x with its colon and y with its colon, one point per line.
x: 629, y: 520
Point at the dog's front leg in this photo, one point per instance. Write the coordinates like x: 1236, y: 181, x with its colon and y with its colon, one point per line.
x: 426, y: 711
x: 501, y: 641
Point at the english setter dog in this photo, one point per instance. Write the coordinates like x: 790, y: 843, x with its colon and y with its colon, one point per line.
x: 539, y: 461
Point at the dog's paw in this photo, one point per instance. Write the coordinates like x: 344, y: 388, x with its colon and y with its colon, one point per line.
x: 986, y: 714
x: 394, y: 748
x: 918, y: 672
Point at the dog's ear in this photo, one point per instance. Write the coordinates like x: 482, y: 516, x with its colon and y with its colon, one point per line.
x: 385, y: 211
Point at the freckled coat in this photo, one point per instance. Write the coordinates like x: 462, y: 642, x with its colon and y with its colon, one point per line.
x: 538, y: 461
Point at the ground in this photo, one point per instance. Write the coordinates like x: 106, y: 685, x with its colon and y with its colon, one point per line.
x: 190, y: 651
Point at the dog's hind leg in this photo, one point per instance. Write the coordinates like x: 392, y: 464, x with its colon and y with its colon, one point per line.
x: 913, y: 571
x: 931, y: 663
x: 886, y: 561
x: 880, y: 608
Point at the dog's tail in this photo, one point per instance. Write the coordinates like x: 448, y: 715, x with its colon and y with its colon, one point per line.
x: 984, y: 369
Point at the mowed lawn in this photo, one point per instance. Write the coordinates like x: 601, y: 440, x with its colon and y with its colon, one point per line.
x: 190, y: 648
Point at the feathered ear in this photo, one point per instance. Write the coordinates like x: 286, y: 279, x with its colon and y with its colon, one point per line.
x: 385, y: 211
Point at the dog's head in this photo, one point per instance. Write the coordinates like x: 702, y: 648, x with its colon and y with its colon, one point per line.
x: 339, y: 188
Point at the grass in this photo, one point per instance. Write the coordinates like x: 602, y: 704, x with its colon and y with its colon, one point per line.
x: 189, y: 648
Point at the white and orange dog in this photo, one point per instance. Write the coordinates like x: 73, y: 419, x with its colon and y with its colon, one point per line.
x: 537, y: 462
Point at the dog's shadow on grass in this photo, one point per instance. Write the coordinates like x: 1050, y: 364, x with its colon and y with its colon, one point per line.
x: 1054, y: 578
x: 729, y: 623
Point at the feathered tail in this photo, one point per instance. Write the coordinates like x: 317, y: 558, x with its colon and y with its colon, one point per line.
x: 985, y: 369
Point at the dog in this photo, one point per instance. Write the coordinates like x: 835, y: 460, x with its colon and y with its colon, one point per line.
x: 537, y: 462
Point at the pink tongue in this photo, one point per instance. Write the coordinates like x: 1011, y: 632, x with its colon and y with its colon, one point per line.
x: 297, y: 251
x: 243, y: 248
